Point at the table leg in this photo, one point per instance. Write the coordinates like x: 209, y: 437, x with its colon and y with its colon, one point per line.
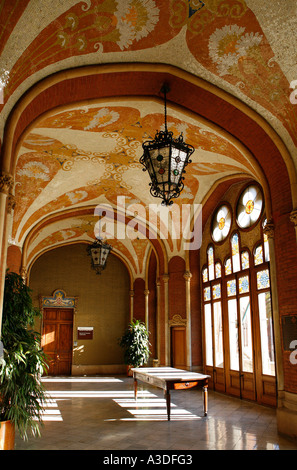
x: 167, y: 398
x: 205, y: 399
x: 135, y: 389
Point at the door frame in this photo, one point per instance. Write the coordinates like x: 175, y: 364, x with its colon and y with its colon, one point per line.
x: 59, y: 299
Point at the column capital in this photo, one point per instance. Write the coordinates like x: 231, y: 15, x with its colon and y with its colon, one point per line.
x: 146, y: 292
x: 131, y: 293
x: 187, y: 276
x: 268, y: 228
x: 293, y: 217
x: 24, y: 273
x: 165, y: 278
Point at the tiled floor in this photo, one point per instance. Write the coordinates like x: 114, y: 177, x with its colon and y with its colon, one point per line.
x: 100, y: 413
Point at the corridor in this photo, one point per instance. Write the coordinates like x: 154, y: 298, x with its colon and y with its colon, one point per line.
x: 100, y: 413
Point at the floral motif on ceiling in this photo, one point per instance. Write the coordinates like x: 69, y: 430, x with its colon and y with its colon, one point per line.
x: 224, y: 37
x: 81, y: 228
x: 44, y: 184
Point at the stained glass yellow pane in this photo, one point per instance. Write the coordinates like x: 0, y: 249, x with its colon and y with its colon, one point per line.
x: 228, y: 266
x: 243, y: 284
x: 235, y: 244
x: 218, y: 270
x: 266, y: 248
x: 205, y: 275
x: 216, y: 291
x: 245, y: 260
x: 231, y: 287
x: 258, y: 256
x: 210, y: 254
x: 263, y: 280
x: 235, y: 252
x: 221, y: 223
x: 207, y: 294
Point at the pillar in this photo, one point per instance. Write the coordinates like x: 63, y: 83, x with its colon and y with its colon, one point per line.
x: 6, y: 185
x: 187, y: 277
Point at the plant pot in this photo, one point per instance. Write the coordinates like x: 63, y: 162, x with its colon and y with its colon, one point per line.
x: 129, y: 371
x: 7, y: 435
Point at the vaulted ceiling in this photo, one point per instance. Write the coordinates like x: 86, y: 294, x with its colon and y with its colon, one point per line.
x: 77, y: 147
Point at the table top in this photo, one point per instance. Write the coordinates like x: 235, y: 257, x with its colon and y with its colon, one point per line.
x: 169, y: 373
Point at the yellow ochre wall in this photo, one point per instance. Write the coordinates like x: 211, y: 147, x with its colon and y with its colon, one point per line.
x: 102, y: 303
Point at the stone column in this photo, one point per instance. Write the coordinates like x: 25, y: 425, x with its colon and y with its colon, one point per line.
x: 146, y: 306
x: 165, y: 279
x: 6, y: 185
x: 158, y: 286
x: 131, y: 293
x: 268, y: 230
x: 187, y: 277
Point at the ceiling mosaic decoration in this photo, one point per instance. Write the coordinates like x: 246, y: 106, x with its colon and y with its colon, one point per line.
x: 54, y: 174
x: 88, y: 153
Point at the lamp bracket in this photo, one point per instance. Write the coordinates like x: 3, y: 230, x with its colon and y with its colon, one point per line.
x: 165, y: 88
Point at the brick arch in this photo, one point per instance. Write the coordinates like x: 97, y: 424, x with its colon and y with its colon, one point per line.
x: 155, y: 241
x: 192, y: 93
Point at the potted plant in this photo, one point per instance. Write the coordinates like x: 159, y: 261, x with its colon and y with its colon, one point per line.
x: 23, y: 362
x: 135, y: 342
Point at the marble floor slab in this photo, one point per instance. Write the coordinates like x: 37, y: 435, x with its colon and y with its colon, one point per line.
x: 100, y: 413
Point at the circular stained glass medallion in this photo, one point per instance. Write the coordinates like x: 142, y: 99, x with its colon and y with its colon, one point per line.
x: 221, y: 223
x: 249, y: 206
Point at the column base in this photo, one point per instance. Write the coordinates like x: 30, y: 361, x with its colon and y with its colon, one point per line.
x: 287, y: 414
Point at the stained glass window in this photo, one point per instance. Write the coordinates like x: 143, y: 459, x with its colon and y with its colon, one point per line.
x: 266, y: 247
x: 216, y: 291
x: 235, y: 252
x: 266, y: 330
x: 218, y: 334
x: 218, y: 268
x: 233, y: 334
x: 221, y: 223
x: 228, y: 266
x: 263, y: 279
x: 210, y: 255
x: 243, y: 284
x: 246, y: 334
x: 245, y: 260
x: 205, y: 275
x: 231, y: 287
x: 258, y: 255
x: 249, y: 206
x: 208, y: 334
x: 207, y: 294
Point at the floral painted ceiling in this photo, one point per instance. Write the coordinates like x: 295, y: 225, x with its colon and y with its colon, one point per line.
x: 84, y: 154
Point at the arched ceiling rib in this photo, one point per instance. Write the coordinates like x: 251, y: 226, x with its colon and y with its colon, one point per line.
x: 77, y: 142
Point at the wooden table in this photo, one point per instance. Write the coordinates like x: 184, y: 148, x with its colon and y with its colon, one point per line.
x: 169, y: 378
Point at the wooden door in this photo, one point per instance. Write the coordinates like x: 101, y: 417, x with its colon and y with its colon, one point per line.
x: 57, y: 339
x: 178, y: 347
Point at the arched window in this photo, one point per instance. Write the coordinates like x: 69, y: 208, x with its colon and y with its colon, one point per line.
x: 221, y: 223
x: 249, y: 206
x: 245, y: 259
x: 237, y: 309
x: 210, y: 261
x: 218, y: 269
x: 235, y: 252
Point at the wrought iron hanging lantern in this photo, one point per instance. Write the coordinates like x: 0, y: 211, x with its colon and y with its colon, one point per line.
x: 99, y: 252
x: 165, y: 158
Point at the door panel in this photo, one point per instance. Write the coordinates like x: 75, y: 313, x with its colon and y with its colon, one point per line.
x: 57, y: 340
x: 178, y: 347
